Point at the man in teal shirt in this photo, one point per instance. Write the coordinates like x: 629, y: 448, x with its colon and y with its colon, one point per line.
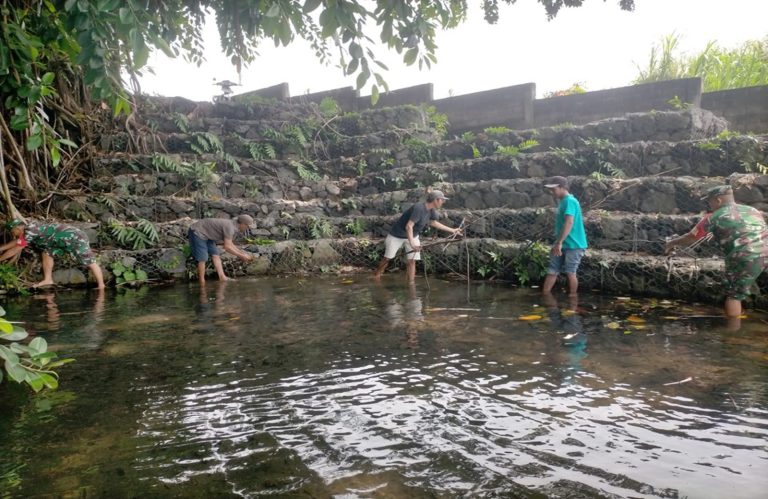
x: 571, y: 242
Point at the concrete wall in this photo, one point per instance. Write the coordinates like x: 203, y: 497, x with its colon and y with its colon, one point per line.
x: 515, y: 107
x: 279, y: 92
x: 591, y: 106
x: 746, y: 109
x: 509, y: 106
x: 345, y: 97
x: 415, y: 95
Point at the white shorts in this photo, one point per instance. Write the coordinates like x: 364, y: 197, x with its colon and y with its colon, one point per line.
x: 393, y: 244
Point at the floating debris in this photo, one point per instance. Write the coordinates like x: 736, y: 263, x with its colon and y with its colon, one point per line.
x: 439, y: 309
x: 532, y: 317
x: 686, y: 380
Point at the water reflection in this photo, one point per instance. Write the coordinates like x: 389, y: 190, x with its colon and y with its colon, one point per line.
x: 568, y: 324
x: 322, y: 388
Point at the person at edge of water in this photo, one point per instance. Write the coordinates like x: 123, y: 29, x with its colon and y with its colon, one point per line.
x: 570, y: 237
x: 742, y: 234
x: 51, y: 239
x: 206, y: 233
x: 406, y: 232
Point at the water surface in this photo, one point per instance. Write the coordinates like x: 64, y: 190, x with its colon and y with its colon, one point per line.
x: 342, y: 387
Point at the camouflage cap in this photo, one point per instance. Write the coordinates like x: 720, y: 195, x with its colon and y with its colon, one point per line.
x: 10, y: 224
x: 718, y: 190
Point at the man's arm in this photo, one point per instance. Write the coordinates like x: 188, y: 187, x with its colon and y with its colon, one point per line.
x: 409, y: 232
x: 444, y: 228
x: 699, y: 231
x: 10, y: 252
x: 229, y: 247
x: 684, y: 240
x: 557, y: 248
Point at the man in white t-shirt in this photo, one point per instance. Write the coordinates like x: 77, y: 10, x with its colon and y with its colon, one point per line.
x: 406, y: 232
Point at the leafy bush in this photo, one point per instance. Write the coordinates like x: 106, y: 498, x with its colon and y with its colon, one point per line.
x: 32, y: 364
x: 126, y: 272
x: 719, y: 68
x: 9, y: 279
x: 329, y: 107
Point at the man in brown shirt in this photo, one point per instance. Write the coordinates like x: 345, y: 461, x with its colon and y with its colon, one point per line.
x: 206, y: 233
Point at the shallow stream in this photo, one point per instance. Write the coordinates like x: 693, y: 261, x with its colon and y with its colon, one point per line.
x: 343, y: 387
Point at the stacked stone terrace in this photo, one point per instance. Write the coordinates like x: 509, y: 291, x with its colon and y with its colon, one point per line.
x: 325, y: 189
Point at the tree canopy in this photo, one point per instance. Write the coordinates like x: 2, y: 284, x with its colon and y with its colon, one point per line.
x: 64, y: 54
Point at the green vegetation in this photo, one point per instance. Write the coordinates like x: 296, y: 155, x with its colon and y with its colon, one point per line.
x: 438, y: 121
x: 306, y: 171
x: 200, y: 175
x: 144, y: 235
x: 677, y: 104
x: 9, y: 279
x: 127, y: 272
x: 261, y: 150
x: 493, y: 267
x: 320, y: 228
x: 32, y: 364
x: 418, y: 150
x: 530, y: 265
x: 355, y: 227
x: 576, y: 88
x: 593, y: 158
x: 497, y: 131
x: 329, y: 107
x: 719, y: 68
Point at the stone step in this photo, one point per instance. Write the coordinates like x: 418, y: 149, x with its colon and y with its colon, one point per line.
x: 700, y: 158
x: 375, y: 173
x: 522, y: 263
x: 171, y: 115
x: 405, y: 145
x: 663, y: 195
x: 275, y: 178
x: 650, y: 126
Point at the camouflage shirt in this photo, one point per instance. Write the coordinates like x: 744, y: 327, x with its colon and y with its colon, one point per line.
x: 59, y: 239
x: 740, y: 231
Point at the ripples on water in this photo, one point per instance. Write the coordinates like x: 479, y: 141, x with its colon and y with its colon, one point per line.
x: 316, y: 388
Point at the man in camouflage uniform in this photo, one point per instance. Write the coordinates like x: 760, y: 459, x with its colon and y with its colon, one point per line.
x: 51, y: 239
x: 742, y: 234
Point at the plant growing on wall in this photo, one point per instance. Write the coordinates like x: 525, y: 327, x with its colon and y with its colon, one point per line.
x: 144, y: 235
x: 261, y: 150
x: 497, y: 131
x: 530, y: 265
x: 32, y: 363
x: 319, y: 228
x: 355, y: 227
x: 306, y: 171
x: 438, y: 121
x: 329, y: 107
x: 418, y: 150
x: 493, y: 267
x: 181, y: 121
x: 575, y: 89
